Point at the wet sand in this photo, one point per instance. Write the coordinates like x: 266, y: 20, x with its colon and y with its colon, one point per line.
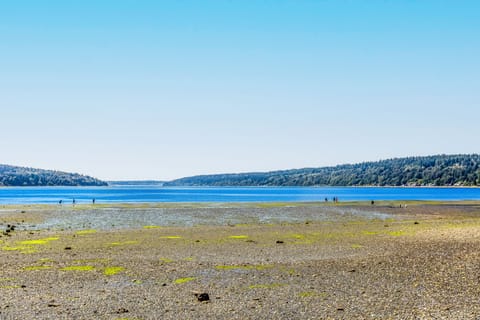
x: 419, y: 262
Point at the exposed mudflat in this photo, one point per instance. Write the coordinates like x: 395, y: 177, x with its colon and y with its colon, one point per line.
x: 302, y: 261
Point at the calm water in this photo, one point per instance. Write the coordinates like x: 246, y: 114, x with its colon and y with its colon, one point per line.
x: 132, y: 194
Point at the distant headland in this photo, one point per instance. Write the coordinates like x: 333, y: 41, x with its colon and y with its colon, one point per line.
x: 13, y: 176
x: 461, y: 170
x: 436, y: 170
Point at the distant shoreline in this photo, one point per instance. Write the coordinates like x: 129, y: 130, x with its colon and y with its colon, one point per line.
x: 246, y: 186
x: 155, y: 194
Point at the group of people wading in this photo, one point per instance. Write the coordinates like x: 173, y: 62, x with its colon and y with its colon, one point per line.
x: 75, y: 201
x: 334, y: 199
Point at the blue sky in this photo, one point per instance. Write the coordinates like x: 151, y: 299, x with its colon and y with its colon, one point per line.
x: 164, y: 89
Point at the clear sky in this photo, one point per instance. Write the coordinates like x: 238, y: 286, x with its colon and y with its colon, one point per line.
x: 132, y: 89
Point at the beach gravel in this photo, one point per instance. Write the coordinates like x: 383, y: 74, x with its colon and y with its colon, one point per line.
x: 422, y: 262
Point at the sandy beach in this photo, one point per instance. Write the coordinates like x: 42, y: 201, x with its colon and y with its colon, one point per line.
x: 350, y: 261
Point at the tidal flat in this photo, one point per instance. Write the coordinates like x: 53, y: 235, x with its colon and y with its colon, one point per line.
x: 393, y: 260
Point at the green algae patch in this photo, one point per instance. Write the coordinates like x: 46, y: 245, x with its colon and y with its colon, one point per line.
x: 122, y: 243
x: 240, y: 225
x: 308, y: 294
x: 307, y: 238
x: 110, y: 271
x: 151, y: 227
x: 7, y: 279
x: 238, y: 237
x: 184, y: 280
x: 298, y: 236
x: 266, y: 286
x: 95, y: 260
x: 8, y: 248
x: 166, y: 260
x: 275, y: 204
x: 21, y: 249
x: 369, y: 233
x: 35, y: 268
x: 10, y: 287
x: 230, y: 267
x: 245, y: 267
x: 356, y: 246
x: 290, y: 271
x: 84, y: 232
x: 51, y: 238
x: 78, y: 268
x: 43, y: 241
x: 171, y: 237
x: 396, y: 233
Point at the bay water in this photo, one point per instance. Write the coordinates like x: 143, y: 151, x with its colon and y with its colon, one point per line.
x: 145, y: 194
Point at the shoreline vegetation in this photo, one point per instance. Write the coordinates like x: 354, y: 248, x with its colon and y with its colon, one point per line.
x: 438, y: 170
x: 397, y: 260
x: 22, y: 176
x: 461, y: 170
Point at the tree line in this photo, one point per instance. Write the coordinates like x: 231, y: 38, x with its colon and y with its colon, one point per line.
x: 437, y: 170
x: 21, y: 176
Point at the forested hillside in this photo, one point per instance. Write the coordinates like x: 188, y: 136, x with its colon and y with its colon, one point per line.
x: 439, y: 170
x: 20, y: 176
x: 153, y: 183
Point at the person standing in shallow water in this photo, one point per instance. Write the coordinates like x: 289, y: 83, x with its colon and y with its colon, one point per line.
x: 93, y: 201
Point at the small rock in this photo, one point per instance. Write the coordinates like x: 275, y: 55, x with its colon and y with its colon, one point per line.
x: 340, y: 309
x: 416, y: 222
x: 122, y: 310
x: 352, y: 270
x: 279, y: 241
x: 202, y: 296
x: 68, y: 248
